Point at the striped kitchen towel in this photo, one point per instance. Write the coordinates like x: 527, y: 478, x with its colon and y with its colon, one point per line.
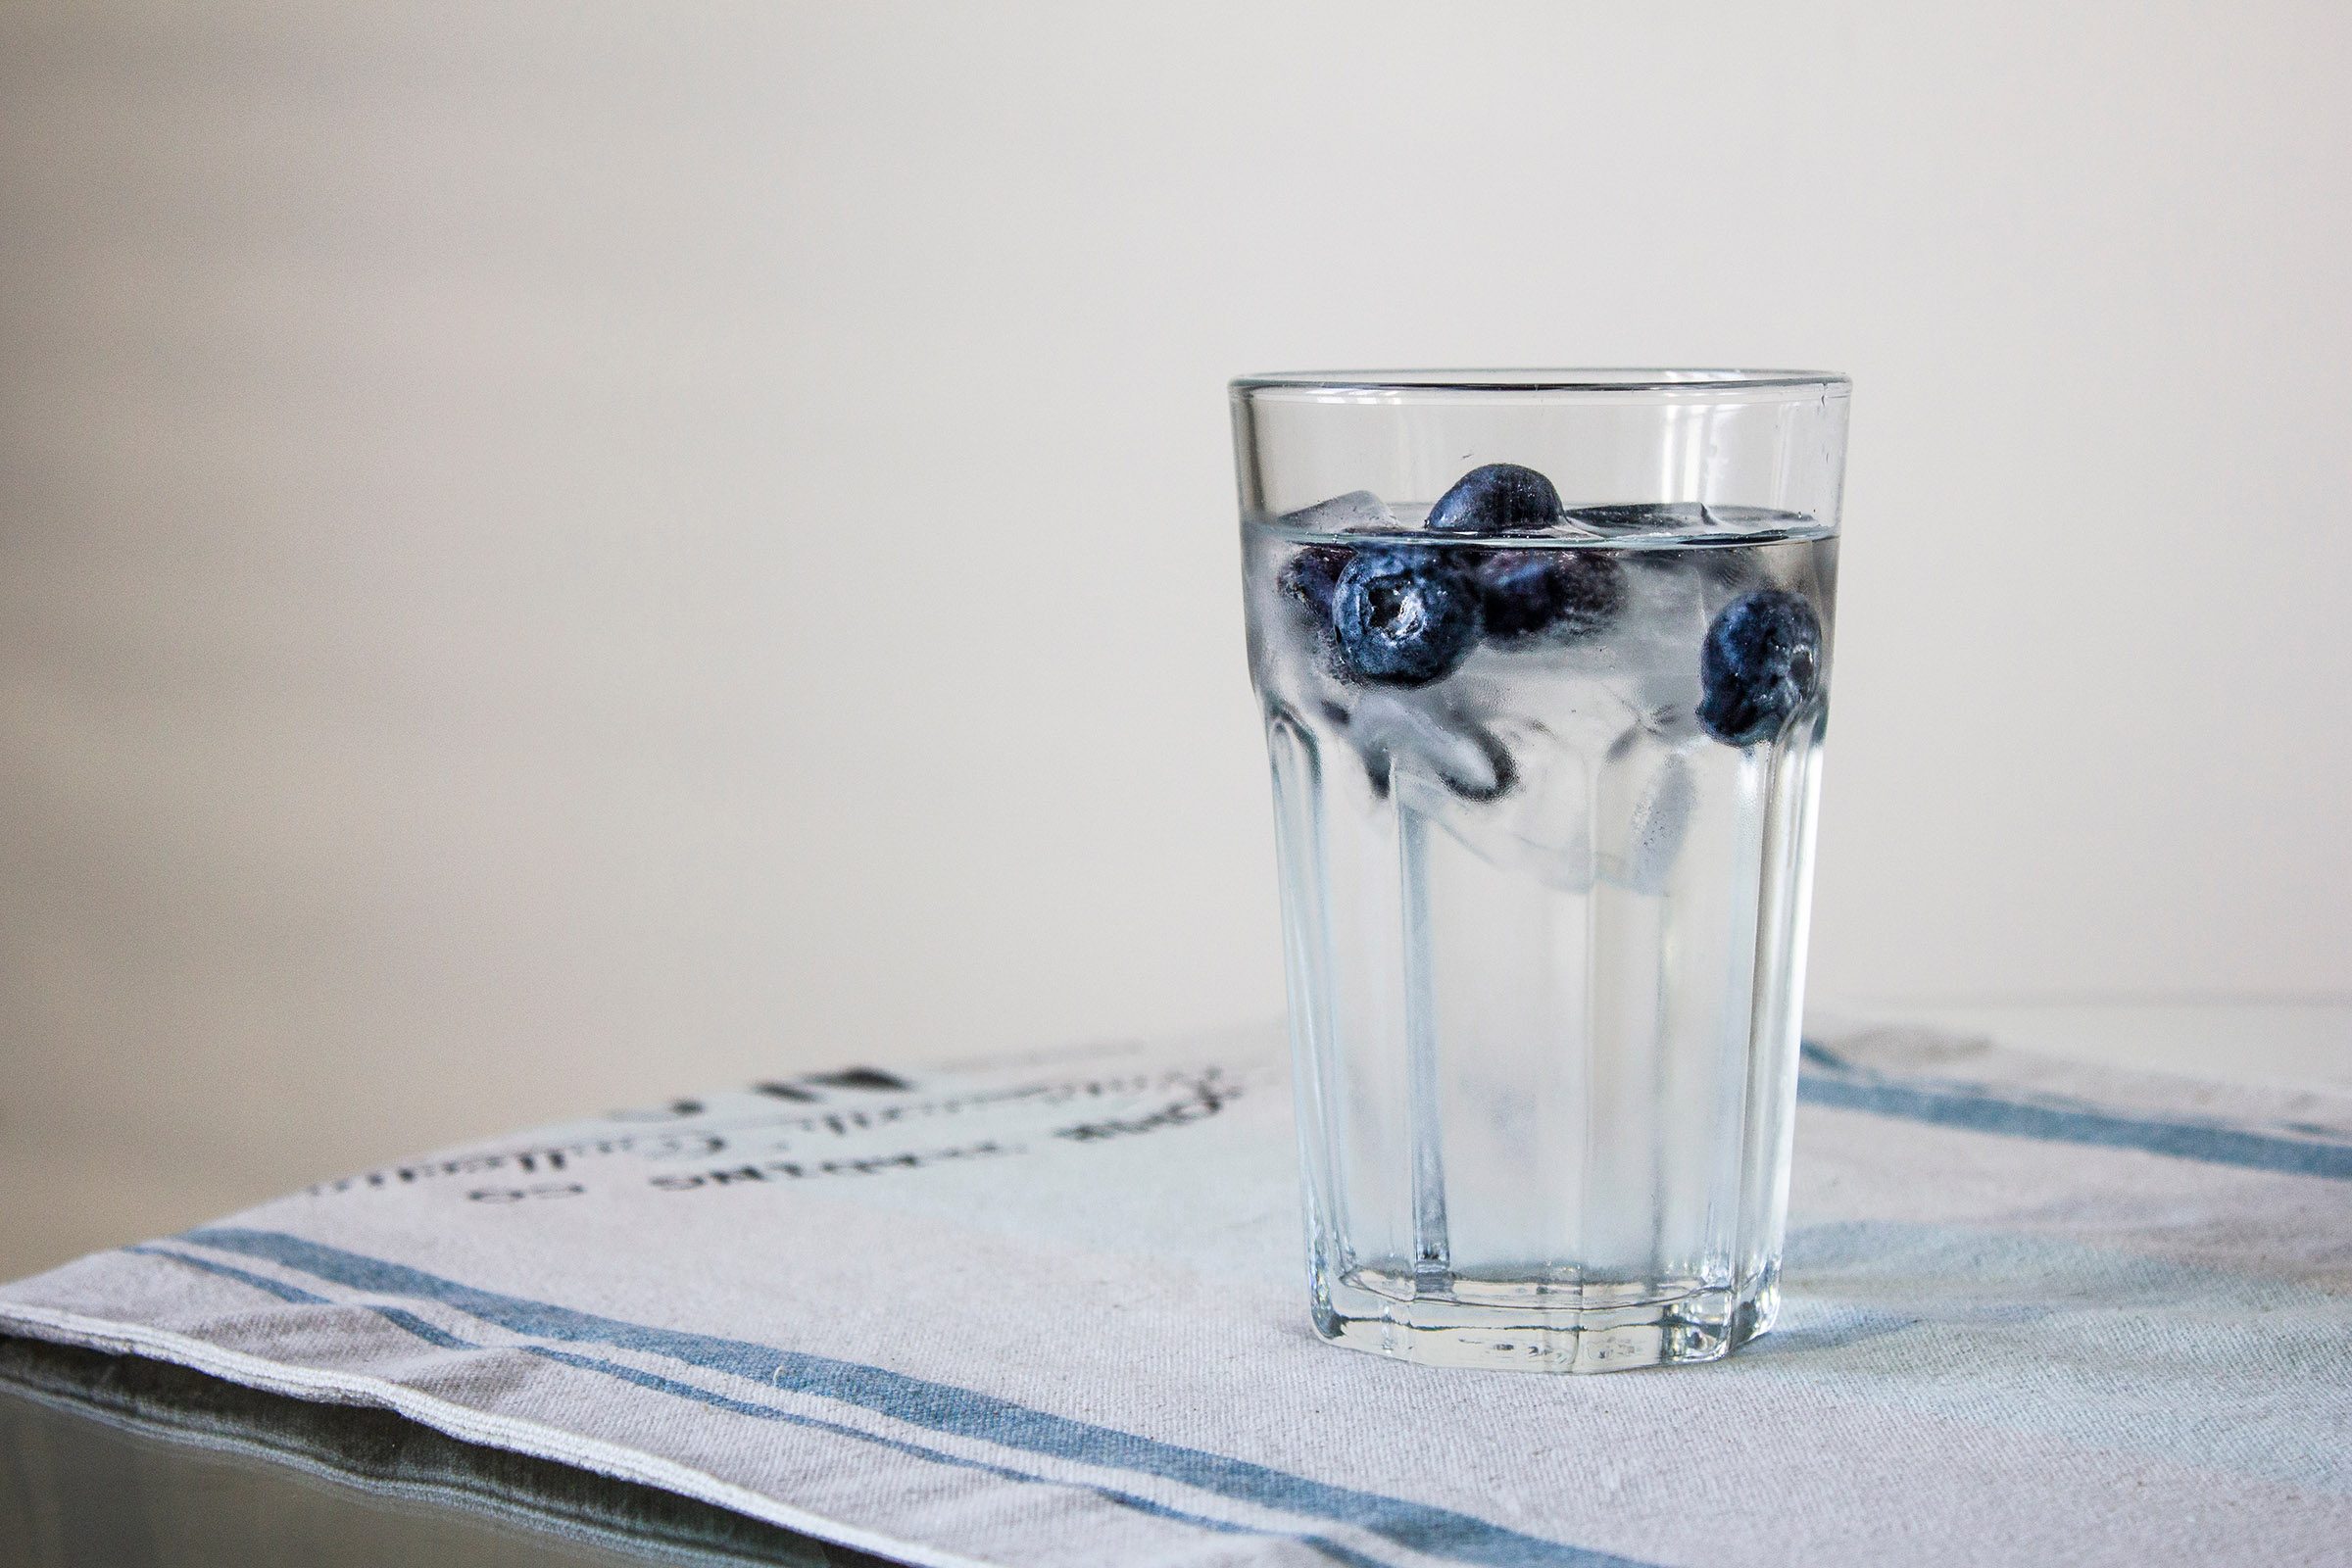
x: 1052, y: 1312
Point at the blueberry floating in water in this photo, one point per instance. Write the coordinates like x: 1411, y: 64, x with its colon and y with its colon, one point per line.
x: 1310, y: 575
x: 1526, y: 593
x: 1619, y: 518
x: 1402, y: 617
x: 1760, y: 662
x: 1499, y: 498
x: 1647, y: 517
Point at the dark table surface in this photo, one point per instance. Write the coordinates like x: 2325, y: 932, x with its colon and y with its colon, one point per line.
x: 118, y: 1462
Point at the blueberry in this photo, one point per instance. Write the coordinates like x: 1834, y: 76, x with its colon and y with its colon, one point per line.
x: 1645, y: 517
x: 1760, y: 662
x: 1402, y: 617
x: 1681, y: 517
x: 1499, y: 498
x: 1569, y: 593
x: 1310, y: 575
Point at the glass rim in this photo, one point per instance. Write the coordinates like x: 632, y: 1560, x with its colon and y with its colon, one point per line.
x: 1635, y: 380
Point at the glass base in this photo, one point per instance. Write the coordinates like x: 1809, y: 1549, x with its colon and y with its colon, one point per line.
x: 1476, y: 1325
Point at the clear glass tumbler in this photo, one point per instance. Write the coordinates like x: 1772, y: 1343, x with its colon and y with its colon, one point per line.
x: 1544, y: 658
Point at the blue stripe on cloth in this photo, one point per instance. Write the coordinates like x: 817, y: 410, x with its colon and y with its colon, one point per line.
x: 295, y: 1292
x: 768, y: 1412
x: 938, y: 1406
x: 277, y: 1288
x: 422, y: 1329
x: 1830, y: 1081
x: 1342, y: 1554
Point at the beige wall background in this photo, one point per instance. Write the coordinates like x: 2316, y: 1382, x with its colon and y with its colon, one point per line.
x: 553, y: 555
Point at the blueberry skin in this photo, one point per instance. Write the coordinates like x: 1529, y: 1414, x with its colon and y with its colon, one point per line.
x: 1644, y: 516
x: 1760, y: 662
x: 1529, y: 593
x: 1310, y: 575
x: 1681, y: 517
x: 1499, y: 498
x: 1402, y: 617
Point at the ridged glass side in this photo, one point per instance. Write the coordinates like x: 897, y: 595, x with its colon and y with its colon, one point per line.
x: 1546, y: 1035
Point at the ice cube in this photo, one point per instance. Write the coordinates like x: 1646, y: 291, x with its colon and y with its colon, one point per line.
x: 1648, y: 794
x: 1356, y: 512
x: 1546, y: 824
x: 1655, y: 646
x: 1513, y: 792
x: 1398, y: 733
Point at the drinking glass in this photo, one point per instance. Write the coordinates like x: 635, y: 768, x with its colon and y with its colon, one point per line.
x: 1543, y: 658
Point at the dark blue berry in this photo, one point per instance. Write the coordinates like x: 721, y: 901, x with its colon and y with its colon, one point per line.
x: 1402, y: 617
x: 1645, y: 517
x: 1760, y: 662
x: 1566, y: 592
x: 1681, y: 517
x: 1727, y: 573
x: 1499, y: 498
x: 1310, y: 575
